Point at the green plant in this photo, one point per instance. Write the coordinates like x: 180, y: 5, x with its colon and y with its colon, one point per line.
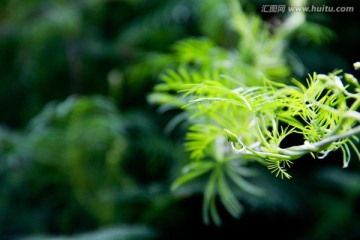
x: 241, y: 110
x: 84, y: 154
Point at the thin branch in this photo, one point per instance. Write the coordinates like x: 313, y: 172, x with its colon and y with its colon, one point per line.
x: 298, y: 151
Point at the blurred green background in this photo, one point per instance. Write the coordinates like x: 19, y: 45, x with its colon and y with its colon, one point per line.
x: 83, y: 154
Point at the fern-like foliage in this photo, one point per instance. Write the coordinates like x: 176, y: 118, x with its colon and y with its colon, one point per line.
x: 240, y: 109
x: 318, y: 111
x: 199, y: 138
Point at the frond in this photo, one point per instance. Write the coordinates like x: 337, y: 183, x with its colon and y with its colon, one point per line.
x: 225, y: 89
x: 166, y: 100
x: 194, y: 50
x: 209, y: 203
x: 252, y: 99
x: 278, y: 167
x: 167, y: 93
x: 237, y: 173
x: 191, y: 172
x: 184, y: 78
x: 346, y: 146
x: 199, y: 138
x: 223, y: 180
x: 278, y: 136
x: 227, y: 196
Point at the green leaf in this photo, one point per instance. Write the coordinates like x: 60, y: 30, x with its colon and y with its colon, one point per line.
x: 242, y: 183
x: 290, y: 120
x: 227, y: 197
x: 199, y: 138
x: 275, y: 167
x: 209, y: 200
x: 193, y: 173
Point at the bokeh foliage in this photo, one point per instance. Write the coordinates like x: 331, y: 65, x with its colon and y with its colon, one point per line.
x: 81, y: 148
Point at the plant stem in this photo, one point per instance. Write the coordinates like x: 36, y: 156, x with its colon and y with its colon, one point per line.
x: 298, y: 151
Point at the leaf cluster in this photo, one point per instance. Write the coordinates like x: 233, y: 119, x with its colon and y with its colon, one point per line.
x: 240, y: 109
